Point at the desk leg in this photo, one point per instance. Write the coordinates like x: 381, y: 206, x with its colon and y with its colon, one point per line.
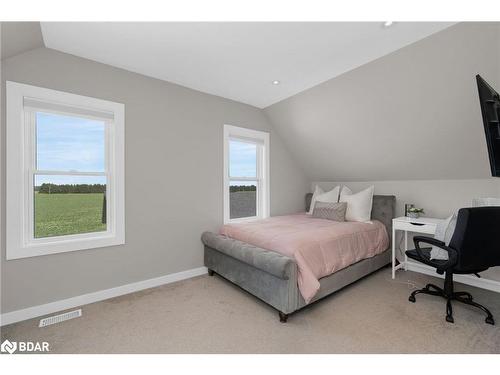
x: 393, y: 253
x: 406, y: 248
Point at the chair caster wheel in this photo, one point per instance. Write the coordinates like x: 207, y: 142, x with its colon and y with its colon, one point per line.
x: 450, y: 319
x: 490, y: 320
x: 412, y: 299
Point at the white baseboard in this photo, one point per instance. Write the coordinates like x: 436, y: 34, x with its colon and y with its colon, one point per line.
x: 464, y: 279
x: 84, y: 299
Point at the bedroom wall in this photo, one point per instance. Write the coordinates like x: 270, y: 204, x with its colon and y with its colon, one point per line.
x: 411, y: 115
x: 21, y: 37
x: 173, y: 173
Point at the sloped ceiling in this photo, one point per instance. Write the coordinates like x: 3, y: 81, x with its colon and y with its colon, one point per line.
x: 238, y: 61
x: 413, y: 114
x: 19, y: 37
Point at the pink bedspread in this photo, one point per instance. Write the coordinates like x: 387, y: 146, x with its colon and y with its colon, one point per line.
x: 320, y: 247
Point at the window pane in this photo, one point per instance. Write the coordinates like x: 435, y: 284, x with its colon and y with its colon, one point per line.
x: 66, y: 143
x: 69, y: 205
x: 242, y: 199
x: 242, y: 159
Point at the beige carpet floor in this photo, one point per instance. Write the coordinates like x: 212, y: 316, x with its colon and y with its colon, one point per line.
x: 210, y: 315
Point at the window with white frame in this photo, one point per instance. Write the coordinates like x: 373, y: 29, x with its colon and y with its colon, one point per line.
x: 246, y: 174
x: 65, y: 172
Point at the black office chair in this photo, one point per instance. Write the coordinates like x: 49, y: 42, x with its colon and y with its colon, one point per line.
x: 474, y: 247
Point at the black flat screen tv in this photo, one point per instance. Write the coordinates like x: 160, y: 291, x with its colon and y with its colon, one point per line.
x: 490, y: 108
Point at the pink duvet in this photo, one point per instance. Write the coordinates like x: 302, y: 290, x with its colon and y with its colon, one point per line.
x: 320, y: 247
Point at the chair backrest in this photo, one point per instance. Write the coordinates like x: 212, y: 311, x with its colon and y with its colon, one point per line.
x: 477, y: 239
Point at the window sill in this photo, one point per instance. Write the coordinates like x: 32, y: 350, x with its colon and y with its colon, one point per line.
x: 63, y: 246
x: 244, y: 220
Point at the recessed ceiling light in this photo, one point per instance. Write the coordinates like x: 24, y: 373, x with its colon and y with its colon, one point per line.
x: 388, y: 23
x: 276, y: 82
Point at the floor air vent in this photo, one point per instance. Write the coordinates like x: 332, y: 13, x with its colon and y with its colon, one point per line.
x: 60, y: 318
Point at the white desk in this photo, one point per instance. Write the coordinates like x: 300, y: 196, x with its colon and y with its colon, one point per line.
x: 423, y: 225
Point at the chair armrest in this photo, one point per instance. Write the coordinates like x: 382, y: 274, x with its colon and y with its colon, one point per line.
x: 452, y: 253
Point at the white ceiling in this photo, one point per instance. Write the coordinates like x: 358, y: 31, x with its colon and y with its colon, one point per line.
x: 237, y: 61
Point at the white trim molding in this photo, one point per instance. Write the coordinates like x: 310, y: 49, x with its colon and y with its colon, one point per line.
x: 478, y: 282
x: 85, y: 299
x: 261, y: 140
x: 23, y: 103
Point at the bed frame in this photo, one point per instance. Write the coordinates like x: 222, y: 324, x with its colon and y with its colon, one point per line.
x: 272, y: 277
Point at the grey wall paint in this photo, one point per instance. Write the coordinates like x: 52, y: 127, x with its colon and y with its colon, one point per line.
x: 439, y: 198
x: 19, y: 37
x: 413, y: 114
x: 173, y: 186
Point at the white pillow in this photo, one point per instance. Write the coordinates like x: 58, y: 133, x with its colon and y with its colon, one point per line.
x: 359, y: 205
x: 444, y: 232
x: 331, y: 196
x: 319, y: 195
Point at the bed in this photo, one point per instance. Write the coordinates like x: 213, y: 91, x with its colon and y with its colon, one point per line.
x: 274, y: 277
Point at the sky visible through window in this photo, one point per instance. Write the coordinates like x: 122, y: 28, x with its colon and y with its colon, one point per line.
x: 67, y: 143
x: 242, y: 160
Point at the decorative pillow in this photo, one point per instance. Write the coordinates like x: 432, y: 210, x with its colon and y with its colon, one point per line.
x: 444, y: 232
x: 359, y: 205
x: 320, y: 196
x: 330, y: 210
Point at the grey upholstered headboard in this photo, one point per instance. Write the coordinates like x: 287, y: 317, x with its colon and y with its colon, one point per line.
x: 383, y: 210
